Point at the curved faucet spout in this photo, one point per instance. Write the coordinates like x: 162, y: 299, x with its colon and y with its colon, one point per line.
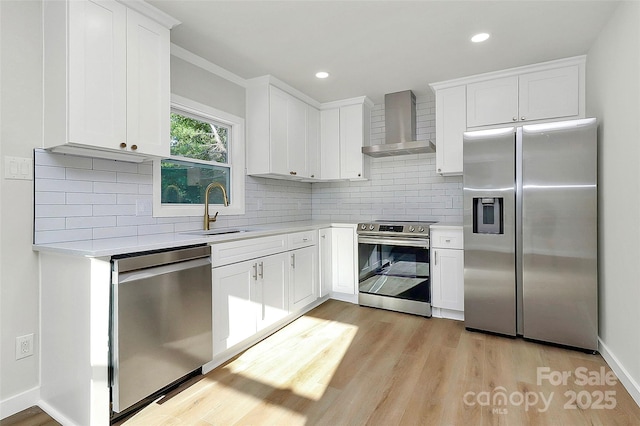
x: 207, y: 219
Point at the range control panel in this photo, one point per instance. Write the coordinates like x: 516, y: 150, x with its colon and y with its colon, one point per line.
x: 395, y: 228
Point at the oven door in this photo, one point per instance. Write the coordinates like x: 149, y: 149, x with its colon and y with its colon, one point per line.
x: 394, y: 273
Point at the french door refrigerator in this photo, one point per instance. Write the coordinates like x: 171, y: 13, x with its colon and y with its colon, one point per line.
x: 530, y: 232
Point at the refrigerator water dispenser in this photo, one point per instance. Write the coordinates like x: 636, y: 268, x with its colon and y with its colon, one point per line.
x: 487, y: 215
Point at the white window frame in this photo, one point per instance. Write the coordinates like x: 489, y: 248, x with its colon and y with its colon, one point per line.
x: 236, y: 162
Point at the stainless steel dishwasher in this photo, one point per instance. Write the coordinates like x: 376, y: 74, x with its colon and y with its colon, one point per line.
x: 161, y: 321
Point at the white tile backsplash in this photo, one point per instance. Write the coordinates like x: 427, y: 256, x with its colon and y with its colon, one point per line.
x: 404, y: 187
x: 81, y: 198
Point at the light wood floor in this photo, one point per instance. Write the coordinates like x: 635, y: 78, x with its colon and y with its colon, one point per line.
x: 342, y: 364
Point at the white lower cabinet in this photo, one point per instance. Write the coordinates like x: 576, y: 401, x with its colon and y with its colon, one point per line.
x: 254, y: 288
x: 271, y: 290
x: 339, y: 262
x: 248, y: 297
x: 233, y: 309
x: 447, y: 273
x: 303, y: 273
x: 324, y: 247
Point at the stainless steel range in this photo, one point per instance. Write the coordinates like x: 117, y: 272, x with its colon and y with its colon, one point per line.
x: 393, y: 260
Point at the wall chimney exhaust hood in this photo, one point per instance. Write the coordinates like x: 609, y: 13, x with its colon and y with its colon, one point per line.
x: 400, y: 128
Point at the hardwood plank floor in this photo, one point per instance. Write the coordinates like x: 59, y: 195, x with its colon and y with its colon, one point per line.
x: 342, y: 364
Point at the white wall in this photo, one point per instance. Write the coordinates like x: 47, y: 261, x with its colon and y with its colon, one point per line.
x: 613, y: 96
x: 404, y: 187
x: 21, y: 108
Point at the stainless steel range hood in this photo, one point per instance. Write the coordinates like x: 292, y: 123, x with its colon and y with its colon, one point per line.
x: 400, y: 128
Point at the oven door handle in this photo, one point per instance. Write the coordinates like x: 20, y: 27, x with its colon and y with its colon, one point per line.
x: 408, y: 242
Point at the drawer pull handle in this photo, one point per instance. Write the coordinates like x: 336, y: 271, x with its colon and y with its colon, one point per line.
x: 255, y: 271
x: 305, y: 239
x: 261, y: 270
x: 448, y: 241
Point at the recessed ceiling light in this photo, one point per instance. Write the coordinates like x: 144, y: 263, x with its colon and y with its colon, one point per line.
x: 479, y: 38
x: 322, y: 74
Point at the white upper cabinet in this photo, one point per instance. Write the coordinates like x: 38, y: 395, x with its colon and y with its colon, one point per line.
x: 548, y: 91
x: 345, y: 129
x: 330, y: 146
x: 106, y: 80
x: 313, y: 142
x: 355, y: 125
x: 492, y: 102
x: 549, y: 94
x: 450, y: 125
x: 277, y: 132
x: 553, y: 93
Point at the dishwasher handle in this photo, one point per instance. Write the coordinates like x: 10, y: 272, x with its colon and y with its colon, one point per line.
x: 132, y: 262
x: 143, y: 274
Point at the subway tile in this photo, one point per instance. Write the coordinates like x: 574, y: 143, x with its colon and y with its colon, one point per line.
x: 114, y: 165
x: 114, y: 210
x: 49, y: 172
x: 62, y: 236
x: 115, y: 188
x: 134, y: 178
x: 46, y: 158
x: 49, y: 223
x: 57, y: 210
x: 89, y: 222
x: 91, y: 175
x: 115, y: 232
x: 49, y: 197
x: 84, y: 198
x: 155, y: 229
x: 61, y: 185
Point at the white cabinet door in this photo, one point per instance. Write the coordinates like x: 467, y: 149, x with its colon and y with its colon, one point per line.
x: 325, y: 262
x: 234, y: 311
x: 330, y: 144
x: 96, y: 74
x: 148, y: 86
x: 304, y: 271
x: 492, y: 102
x: 278, y: 132
x: 448, y: 279
x: 451, y: 123
x: 313, y: 142
x: 272, y: 284
x: 344, y: 249
x: 352, y: 131
x: 549, y: 94
x: 297, y: 137
x: 106, y: 80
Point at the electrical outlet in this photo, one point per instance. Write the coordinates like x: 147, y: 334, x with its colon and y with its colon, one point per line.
x: 24, y: 346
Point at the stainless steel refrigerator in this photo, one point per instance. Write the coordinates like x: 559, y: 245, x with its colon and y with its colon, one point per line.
x: 530, y: 232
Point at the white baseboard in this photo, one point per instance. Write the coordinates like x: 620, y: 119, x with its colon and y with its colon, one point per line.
x: 623, y: 375
x: 344, y: 297
x: 17, y: 403
x: 447, y: 313
x: 55, y: 414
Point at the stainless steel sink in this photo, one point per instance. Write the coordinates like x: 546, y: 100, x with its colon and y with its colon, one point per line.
x: 215, y: 232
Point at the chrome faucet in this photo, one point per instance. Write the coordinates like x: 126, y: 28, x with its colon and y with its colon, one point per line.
x: 207, y: 219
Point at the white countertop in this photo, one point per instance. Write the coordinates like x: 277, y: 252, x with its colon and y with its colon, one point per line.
x: 114, y: 246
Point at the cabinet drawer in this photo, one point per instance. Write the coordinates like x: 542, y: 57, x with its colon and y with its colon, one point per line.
x: 238, y: 251
x: 447, y: 238
x: 302, y: 239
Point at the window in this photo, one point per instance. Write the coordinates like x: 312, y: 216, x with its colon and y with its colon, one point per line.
x: 207, y: 146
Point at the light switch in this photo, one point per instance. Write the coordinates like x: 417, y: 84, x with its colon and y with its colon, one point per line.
x: 18, y: 168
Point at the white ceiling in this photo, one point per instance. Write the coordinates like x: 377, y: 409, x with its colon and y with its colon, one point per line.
x: 377, y: 47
